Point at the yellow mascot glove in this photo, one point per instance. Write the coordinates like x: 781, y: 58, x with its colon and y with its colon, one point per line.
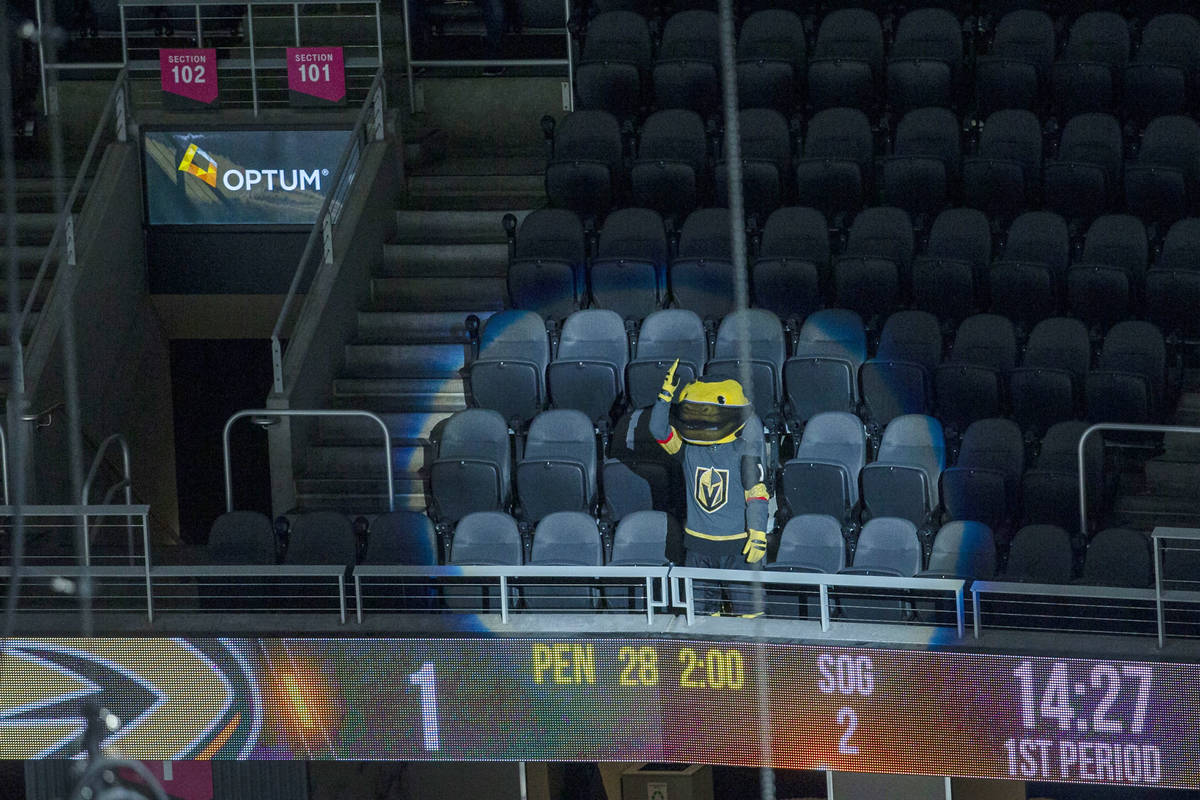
x: 756, y: 547
x: 669, y: 384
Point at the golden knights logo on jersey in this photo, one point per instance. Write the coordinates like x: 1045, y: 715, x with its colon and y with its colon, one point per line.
x: 711, y: 488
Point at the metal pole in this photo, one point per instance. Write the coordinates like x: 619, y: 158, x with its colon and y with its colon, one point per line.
x: 570, y: 56
x: 408, y: 67
x: 1158, y: 600
x: 253, y: 70
x: 378, y: 35
x: 199, y: 28
x: 296, y: 21
x: 41, y: 56
x: 124, y: 39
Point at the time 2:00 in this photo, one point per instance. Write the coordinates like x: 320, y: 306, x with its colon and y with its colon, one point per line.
x: 712, y: 669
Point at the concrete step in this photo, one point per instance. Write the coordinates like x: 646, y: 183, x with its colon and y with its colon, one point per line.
x: 357, y: 485
x: 358, y: 461
x: 29, y: 258
x: 1187, y: 412
x: 499, y: 200
x: 406, y: 428
x: 484, y: 183
x: 355, y: 504
x: 1147, y: 511
x: 407, y: 394
x: 398, y: 327
x: 452, y: 227
x: 403, y: 360
x: 443, y: 261
x: 451, y: 294
x: 1172, y: 476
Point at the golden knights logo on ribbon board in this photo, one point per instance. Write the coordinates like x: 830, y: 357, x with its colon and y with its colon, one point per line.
x: 712, y: 488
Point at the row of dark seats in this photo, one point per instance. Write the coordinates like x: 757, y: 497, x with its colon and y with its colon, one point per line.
x: 1033, y: 270
x: 1008, y: 164
x: 853, y: 61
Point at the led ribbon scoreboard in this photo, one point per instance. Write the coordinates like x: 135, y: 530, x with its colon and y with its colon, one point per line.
x: 742, y: 703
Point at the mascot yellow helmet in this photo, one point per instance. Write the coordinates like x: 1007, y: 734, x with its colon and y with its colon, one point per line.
x: 711, y: 411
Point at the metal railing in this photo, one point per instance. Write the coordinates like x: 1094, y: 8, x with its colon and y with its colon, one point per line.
x: 212, y: 575
x: 368, y: 127
x: 1041, y: 598
x: 116, y: 109
x: 1158, y: 538
x: 568, y: 62
x: 268, y: 413
x: 126, y: 483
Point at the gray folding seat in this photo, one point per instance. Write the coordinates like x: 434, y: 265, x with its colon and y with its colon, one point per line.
x: 322, y: 537
x: 558, y: 469
x: 822, y: 477
x: 641, y: 539
x: 486, y: 538
x: 903, y: 479
x: 810, y: 543
x: 1048, y: 386
x: 1087, y: 75
x: 751, y: 341
x: 1040, y: 554
x: 1050, y: 489
x: 585, y: 173
x: 1129, y: 381
x: 899, y: 379
x: 766, y: 145
x: 701, y: 275
x: 1119, y: 557
x: 984, y: 481
x: 1017, y: 66
x: 588, y: 372
x: 822, y: 373
x: 1085, y: 178
x: 1005, y: 177
x: 545, y: 268
x: 472, y: 470
x: 1105, y: 283
x: 887, y: 546
x: 509, y: 376
x: 638, y: 475
x: 962, y: 549
x: 565, y: 538
x: 241, y: 537
x: 924, y: 170
x: 629, y: 271
x: 1162, y: 78
x: 1026, y: 283
x: 847, y: 61
x: 614, y: 68
x: 872, y: 272
x: 402, y: 537
x: 670, y: 173
x: 1162, y: 185
x: 540, y: 14
x: 969, y: 383
x: 685, y: 73
x: 673, y: 333
x: 772, y: 60
x: 946, y: 279
x: 1173, y: 285
x: 926, y: 60
x: 837, y: 172
x: 793, y: 262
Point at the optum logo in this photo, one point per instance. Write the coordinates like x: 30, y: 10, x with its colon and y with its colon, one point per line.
x: 287, y: 180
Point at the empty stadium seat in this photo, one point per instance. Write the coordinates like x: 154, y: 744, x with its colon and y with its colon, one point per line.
x: 1107, y: 281
x: 926, y: 60
x: 241, y: 537
x: 670, y: 174
x: 585, y: 173
x: 1087, y: 75
x: 750, y: 342
x: 836, y: 174
x: 588, y: 373
x: 486, y: 538
x: 822, y: 373
x: 509, y: 376
x: 614, y: 68
x: 629, y: 271
x: 984, y: 481
x: 666, y: 335
x: 899, y: 379
x: 558, y: 469
x: 545, y: 273
x: 810, y: 543
x: 923, y: 172
x: 641, y: 539
x: 793, y: 262
x: 847, y: 60
x: 903, y: 479
x: 1027, y: 282
x: 1085, y: 178
x: 771, y: 60
x: 1162, y: 77
x: 702, y: 272
x: 1173, y: 285
x: 1004, y: 177
x: 1040, y: 554
x: 946, y: 279
x: 685, y: 73
x: 565, y: 538
x: 822, y: 477
x: 638, y: 475
x: 1118, y: 557
x: 1048, y: 386
x: 766, y: 149
x: 472, y: 470
x: 877, y: 262
x: 1129, y: 381
x: 887, y: 546
x: 969, y: 383
x: 402, y: 537
x: 962, y: 549
x: 1050, y: 489
x: 1161, y: 186
x: 1016, y: 67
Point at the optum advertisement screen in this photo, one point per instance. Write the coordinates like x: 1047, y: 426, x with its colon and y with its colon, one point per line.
x: 239, y: 177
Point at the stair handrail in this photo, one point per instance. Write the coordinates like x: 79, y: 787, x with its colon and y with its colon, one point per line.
x: 125, y: 483
x: 1115, y: 426
x: 266, y: 415
x: 368, y: 127
x: 115, y: 107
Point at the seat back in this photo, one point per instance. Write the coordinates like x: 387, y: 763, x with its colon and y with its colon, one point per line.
x: 793, y: 262
x: 589, y: 371
x: 615, y: 64
x: 899, y: 379
x: 1119, y: 557
x: 888, y: 546
x: 629, y: 272
x: 509, y: 375
x: 924, y: 170
x: 926, y: 59
x: 666, y: 335
x: 322, y: 537
x: 486, y: 538
x: 750, y: 341
x: 641, y: 539
x: 963, y: 549
x: 1040, y: 554
x: 473, y: 467
x: 546, y: 272
x: 241, y: 537
x: 1163, y: 183
x: 836, y: 174
x: 402, y: 537
x: 822, y: 373
x: 670, y: 170
x: 558, y: 470
x: 702, y: 273
x: 946, y: 278
x: 1005, y: 176
x: 685, y: 75
x: 811, y: 543
x: 772, y: 59
x: 766, y: 150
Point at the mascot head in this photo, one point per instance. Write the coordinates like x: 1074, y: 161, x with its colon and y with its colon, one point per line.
x: 711, y: 411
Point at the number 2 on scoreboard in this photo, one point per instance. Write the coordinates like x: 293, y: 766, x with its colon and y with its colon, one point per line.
x: 847, y: 717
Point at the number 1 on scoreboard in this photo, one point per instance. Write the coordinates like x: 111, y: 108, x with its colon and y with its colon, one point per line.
x: 427, y: 681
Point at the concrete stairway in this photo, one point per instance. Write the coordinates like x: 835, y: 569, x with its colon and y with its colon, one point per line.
x: 406, y: 360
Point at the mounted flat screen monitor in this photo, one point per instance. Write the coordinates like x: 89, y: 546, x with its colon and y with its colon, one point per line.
x: 239, y: 177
